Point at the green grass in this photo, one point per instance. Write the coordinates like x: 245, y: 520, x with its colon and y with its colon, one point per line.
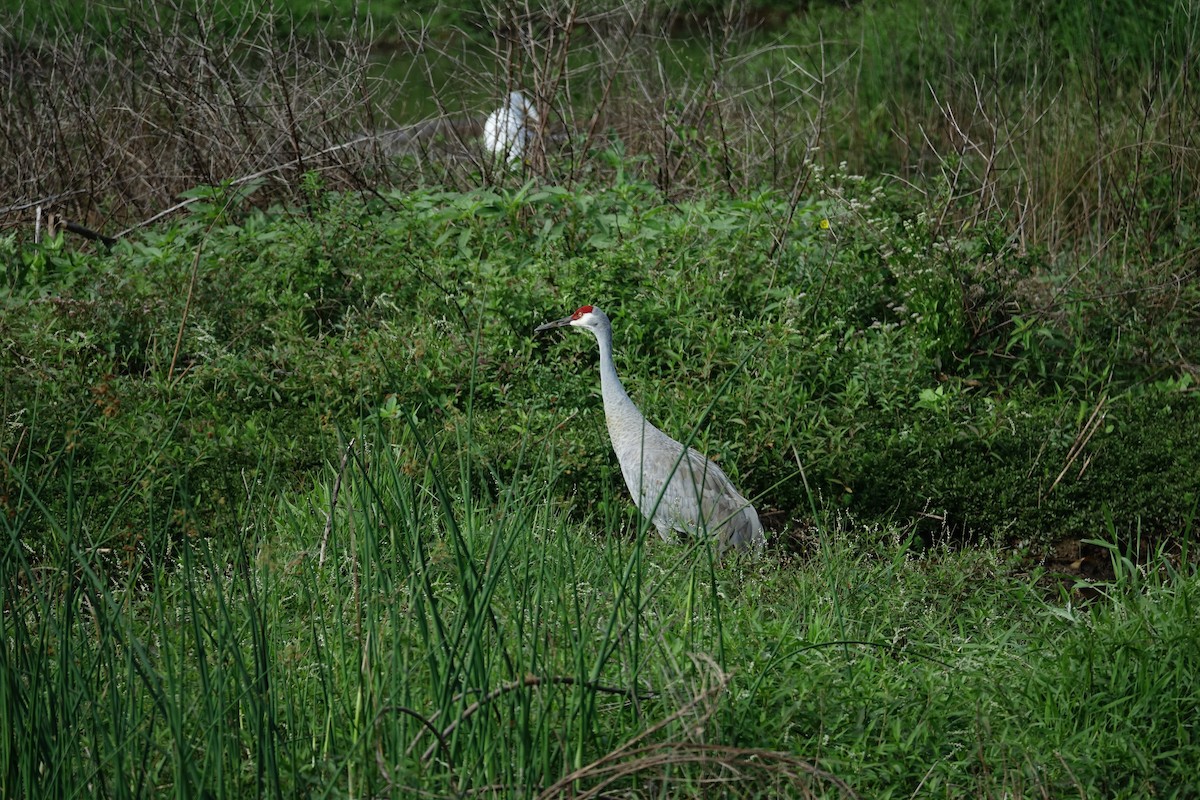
x: 317, y: 659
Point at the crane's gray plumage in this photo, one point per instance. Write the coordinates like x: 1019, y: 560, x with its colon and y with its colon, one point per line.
x: 510, y: 128
x: 676, y: 488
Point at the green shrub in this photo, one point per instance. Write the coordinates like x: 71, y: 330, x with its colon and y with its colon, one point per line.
x: 854, y: 352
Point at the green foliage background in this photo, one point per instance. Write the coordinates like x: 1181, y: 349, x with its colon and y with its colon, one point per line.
x: 844, y: 343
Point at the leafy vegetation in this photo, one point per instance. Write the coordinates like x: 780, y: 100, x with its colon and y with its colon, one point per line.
x: 845, y: 354
x: 294, y: 502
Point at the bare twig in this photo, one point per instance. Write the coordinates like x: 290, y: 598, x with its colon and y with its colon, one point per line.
x: 730, y: 764
x: 529, y: 681
x: 1082, y: 438
x: 633, y: 757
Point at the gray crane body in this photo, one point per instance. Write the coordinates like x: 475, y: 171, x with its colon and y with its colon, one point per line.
x: 674, y: 487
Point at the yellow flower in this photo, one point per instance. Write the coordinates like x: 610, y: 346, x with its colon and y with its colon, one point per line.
x: 824, y: 225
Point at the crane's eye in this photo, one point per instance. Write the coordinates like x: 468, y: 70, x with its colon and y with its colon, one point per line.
x: 579, y: 312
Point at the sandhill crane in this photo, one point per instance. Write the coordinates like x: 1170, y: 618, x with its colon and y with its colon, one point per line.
x: 676, y: 488
x: 510, y: 128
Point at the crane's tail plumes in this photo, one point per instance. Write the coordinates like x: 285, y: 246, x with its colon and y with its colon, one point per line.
x: 743, y: 531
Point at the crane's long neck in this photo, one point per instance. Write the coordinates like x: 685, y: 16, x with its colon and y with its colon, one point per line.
x: 617, y: 405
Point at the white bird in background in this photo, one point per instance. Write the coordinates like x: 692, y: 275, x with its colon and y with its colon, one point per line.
x: 510, y: 128
x: 674, y: 487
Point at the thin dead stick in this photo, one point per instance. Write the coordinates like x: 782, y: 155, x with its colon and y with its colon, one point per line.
x: 1085, y: 435
x: 187, y: 305
x: 42, y: 201
x: 608, y: 84
x: 337, y: 487
x: 527, y: 681
x: 554, y: 70
x: 738, y: 761
x: 518, y: 684
x: 380, y: 761
x: 255, y: 176
x: 628, y: 745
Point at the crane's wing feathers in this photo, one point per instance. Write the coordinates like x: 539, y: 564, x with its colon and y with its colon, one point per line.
x: 682, y: 490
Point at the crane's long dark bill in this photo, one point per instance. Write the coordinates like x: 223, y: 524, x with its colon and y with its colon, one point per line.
x: 558, y: 323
